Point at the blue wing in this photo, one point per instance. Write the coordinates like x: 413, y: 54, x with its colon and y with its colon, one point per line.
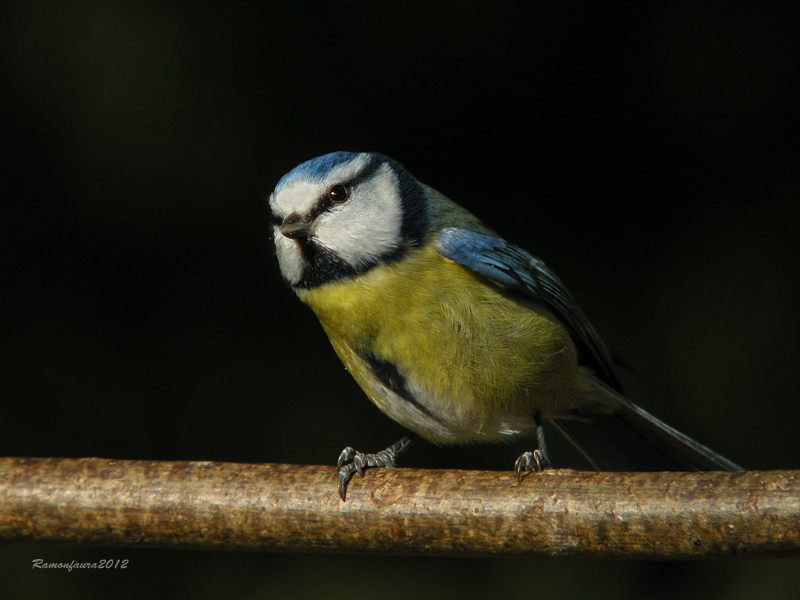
x: 514, y: 268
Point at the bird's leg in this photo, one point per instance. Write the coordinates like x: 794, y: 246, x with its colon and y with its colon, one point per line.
x: 352, y: 461
x: 538, y: 460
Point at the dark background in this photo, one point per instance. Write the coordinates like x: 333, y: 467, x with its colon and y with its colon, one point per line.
x: 649, y: 154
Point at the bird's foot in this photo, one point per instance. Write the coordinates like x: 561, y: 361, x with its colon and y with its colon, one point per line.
x: 529, y: 462
x: 352, y: 461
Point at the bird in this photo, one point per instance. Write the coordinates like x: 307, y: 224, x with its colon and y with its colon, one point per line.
x: 450, y: 330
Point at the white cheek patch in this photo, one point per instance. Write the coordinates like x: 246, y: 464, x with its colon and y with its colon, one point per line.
x: 368, y: 225
x: 290, y: 258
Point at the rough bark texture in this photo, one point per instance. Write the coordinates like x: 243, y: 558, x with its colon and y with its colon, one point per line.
x: 274, y: 507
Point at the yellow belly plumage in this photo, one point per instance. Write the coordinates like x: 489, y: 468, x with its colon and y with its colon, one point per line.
x: 482, y: 361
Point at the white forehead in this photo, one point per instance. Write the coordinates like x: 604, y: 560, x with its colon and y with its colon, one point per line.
x: 300, y: 190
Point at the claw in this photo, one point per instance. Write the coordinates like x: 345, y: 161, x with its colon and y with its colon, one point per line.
x: 345, y: 475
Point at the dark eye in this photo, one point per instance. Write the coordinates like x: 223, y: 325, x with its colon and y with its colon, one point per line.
x: 338, y: 193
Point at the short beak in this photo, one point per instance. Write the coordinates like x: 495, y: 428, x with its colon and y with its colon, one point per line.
x: 294, y: 227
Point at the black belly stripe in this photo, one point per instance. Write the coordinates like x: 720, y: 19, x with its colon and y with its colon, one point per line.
x: 389, y: 376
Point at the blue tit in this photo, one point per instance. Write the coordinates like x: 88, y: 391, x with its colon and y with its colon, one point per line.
x: 450, y: 330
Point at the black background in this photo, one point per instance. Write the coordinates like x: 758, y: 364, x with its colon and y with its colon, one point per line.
x: 648, y: 153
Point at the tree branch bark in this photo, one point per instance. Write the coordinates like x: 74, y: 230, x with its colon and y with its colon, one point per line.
x: 102, y: 502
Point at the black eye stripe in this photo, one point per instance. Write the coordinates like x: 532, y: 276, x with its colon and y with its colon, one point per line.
x: 324, y: 203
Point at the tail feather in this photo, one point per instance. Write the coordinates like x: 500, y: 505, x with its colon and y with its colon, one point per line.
x: 631, y: 439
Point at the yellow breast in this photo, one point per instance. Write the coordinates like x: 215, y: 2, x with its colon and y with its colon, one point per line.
x: 476, y: 350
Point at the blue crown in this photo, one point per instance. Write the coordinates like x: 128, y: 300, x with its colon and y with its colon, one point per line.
x: 317, y: 168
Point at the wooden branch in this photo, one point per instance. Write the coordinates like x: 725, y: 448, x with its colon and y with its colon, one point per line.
x: 208, y: 505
